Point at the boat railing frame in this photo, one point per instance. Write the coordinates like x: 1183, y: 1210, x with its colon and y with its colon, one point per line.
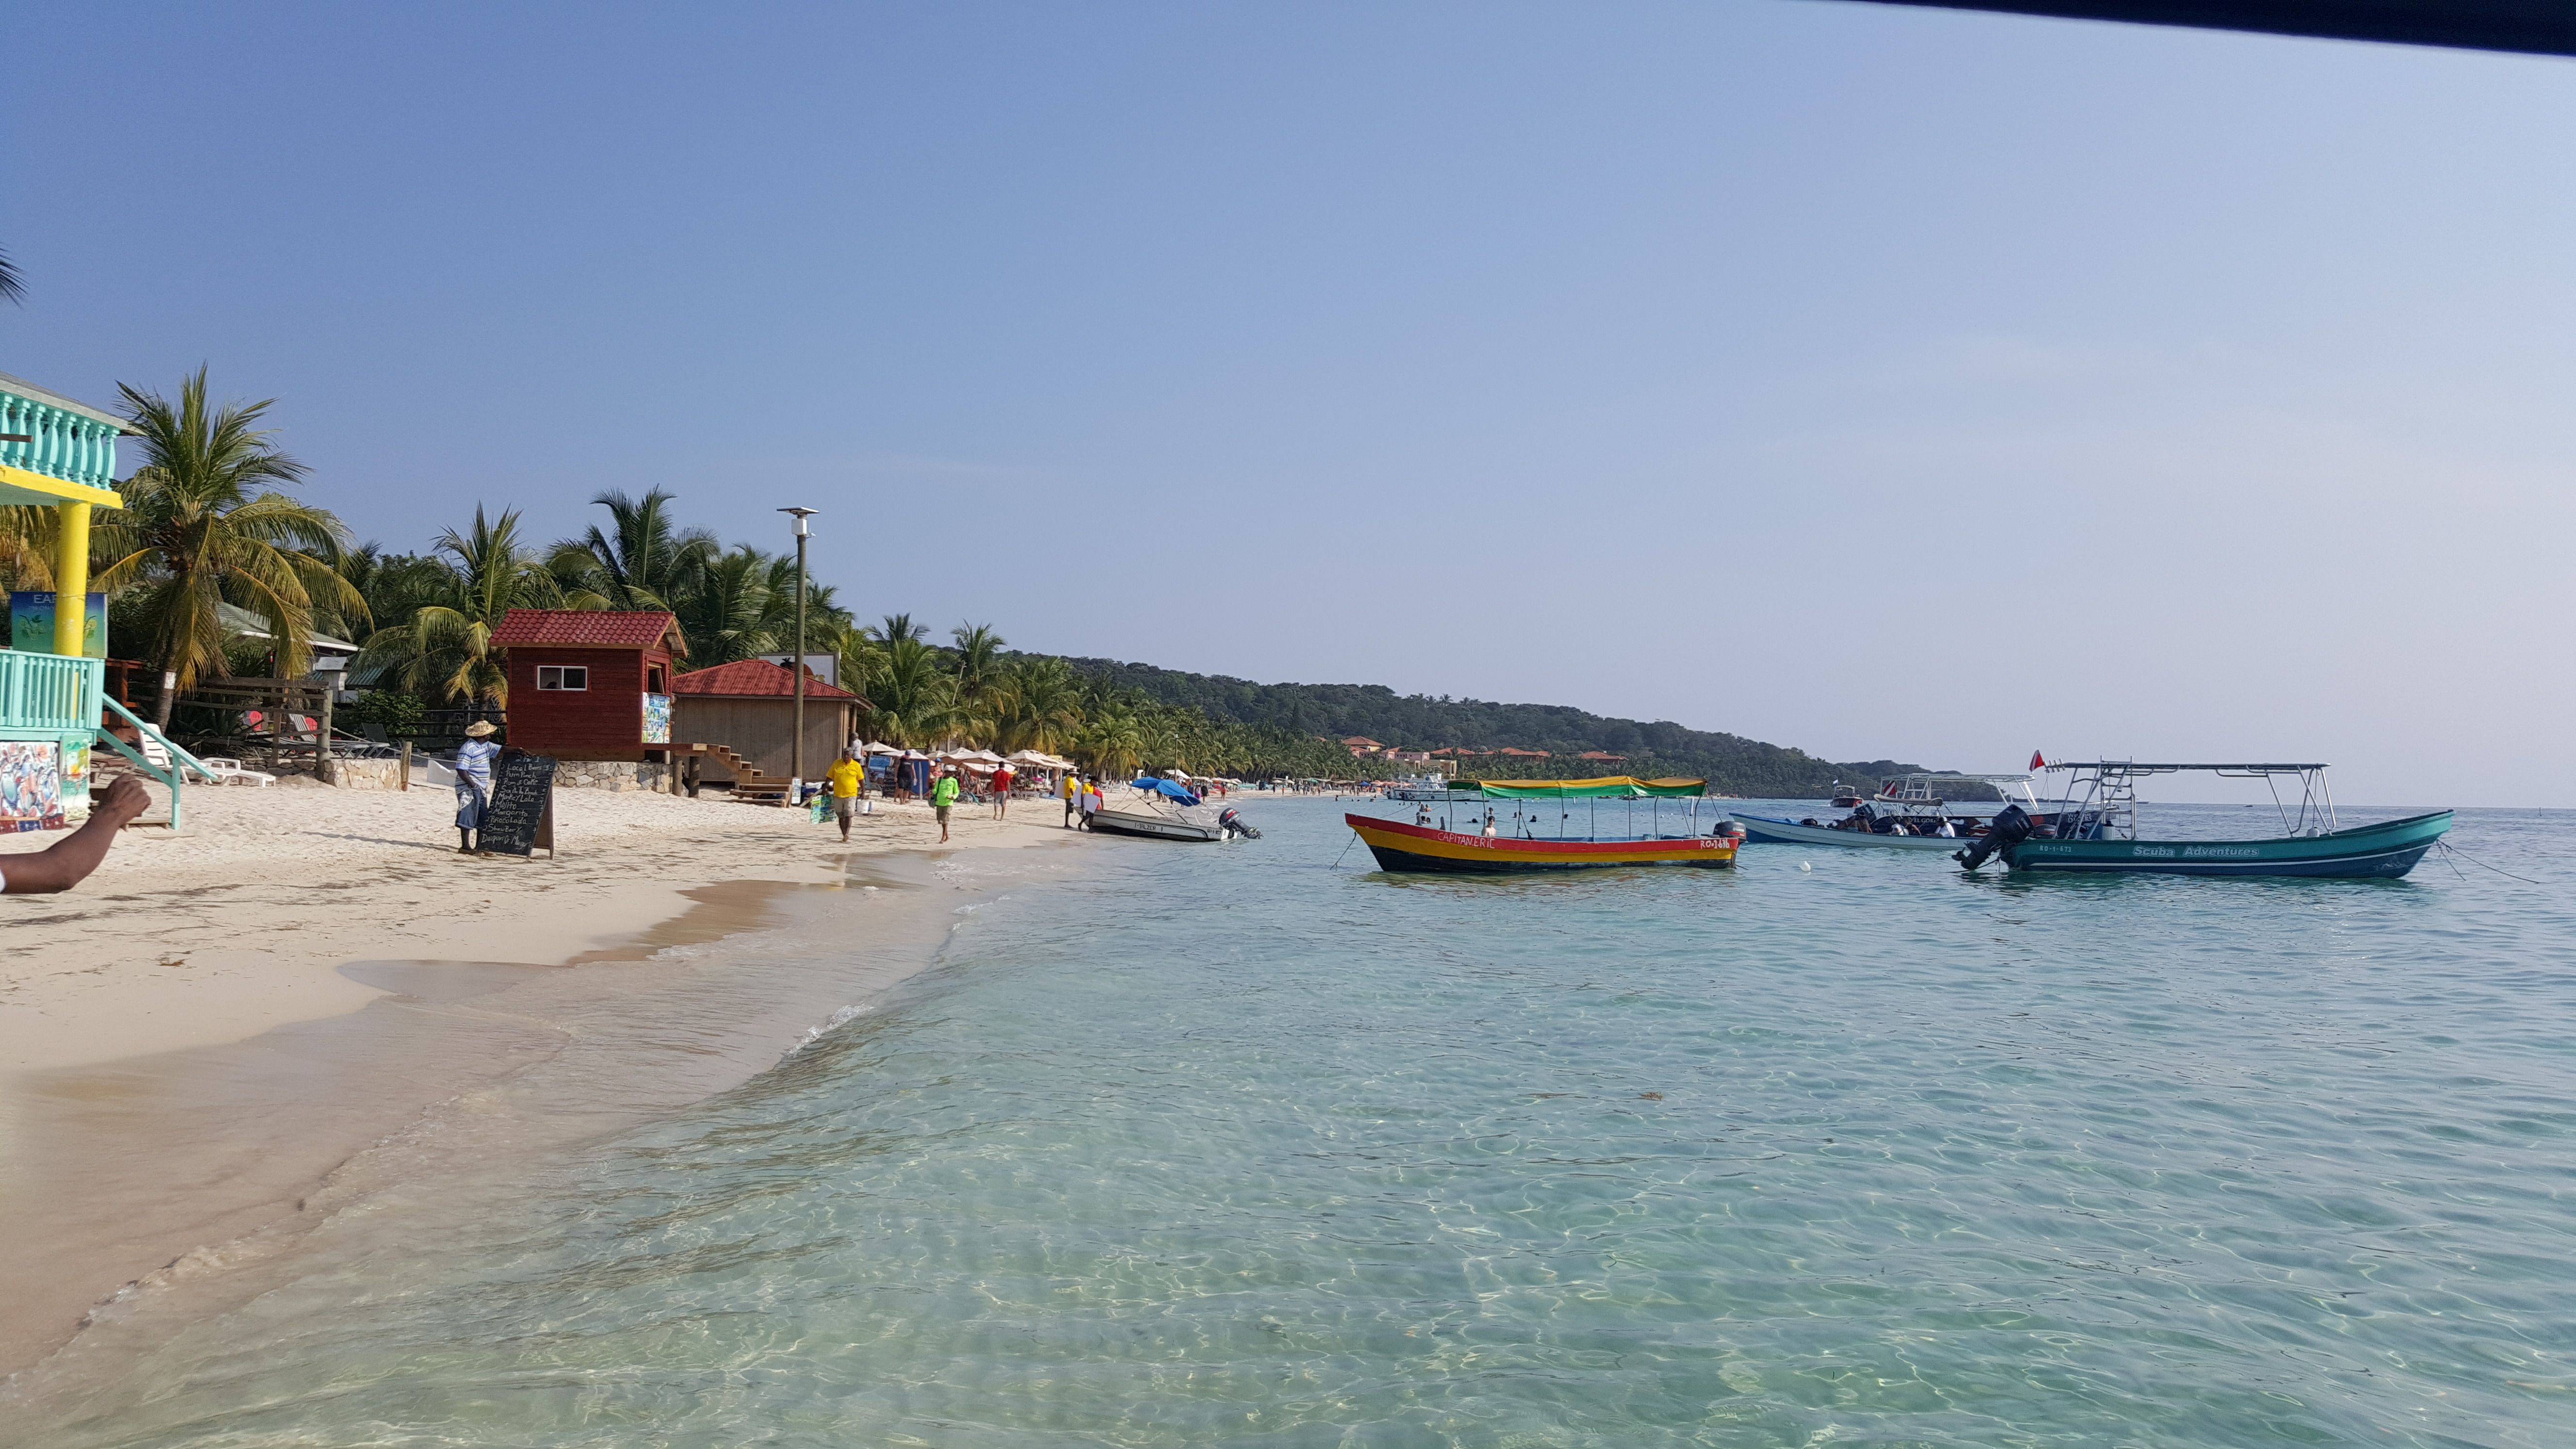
x: 1524, y: 817
x: 2102, y: 795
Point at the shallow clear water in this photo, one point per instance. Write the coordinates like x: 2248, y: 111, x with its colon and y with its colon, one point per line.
x: 1240, y: 1145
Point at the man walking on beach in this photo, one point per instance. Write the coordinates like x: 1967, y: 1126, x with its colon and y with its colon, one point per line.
x: 1002, y: 782
x: 65, y: 863
x: 943, y: 797
x: 846, y: 775
x: 1072, y: 797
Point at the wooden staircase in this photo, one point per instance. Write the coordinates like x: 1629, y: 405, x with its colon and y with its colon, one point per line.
x: 749, y: 781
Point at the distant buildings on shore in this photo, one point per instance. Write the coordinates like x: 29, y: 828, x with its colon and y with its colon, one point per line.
x: 1364, y: 748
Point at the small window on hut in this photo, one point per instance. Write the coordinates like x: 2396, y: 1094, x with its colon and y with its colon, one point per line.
x: 563, y: 676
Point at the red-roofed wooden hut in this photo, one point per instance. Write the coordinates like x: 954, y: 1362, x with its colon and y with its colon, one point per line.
x: 590, y: 684
x: 749, y: 707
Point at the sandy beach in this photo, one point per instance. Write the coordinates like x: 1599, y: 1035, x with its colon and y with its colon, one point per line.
x: 223, y: 1027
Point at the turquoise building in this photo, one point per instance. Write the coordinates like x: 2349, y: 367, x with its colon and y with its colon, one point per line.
x: 60, y: 455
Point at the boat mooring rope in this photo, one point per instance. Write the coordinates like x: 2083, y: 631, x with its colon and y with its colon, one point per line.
x: 2448, y: 850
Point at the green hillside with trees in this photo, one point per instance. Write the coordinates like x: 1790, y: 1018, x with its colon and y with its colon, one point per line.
x: 1731, y: 764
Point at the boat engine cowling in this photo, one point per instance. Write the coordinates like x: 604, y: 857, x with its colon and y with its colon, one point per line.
x: 1235, y: 824
x: 2010, y: 827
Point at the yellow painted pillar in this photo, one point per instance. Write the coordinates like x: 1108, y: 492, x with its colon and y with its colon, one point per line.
x: 71, y: 576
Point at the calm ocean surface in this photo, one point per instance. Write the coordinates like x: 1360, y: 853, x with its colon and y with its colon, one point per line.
x: 1232, y: 1145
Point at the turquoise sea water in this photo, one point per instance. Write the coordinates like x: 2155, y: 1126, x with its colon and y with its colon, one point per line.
x: 1237, y: 1145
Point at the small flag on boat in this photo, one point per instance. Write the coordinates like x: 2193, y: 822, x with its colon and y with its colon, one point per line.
x: 2036, y: 762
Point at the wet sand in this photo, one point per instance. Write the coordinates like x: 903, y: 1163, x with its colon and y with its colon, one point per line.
x: 153, y: 1185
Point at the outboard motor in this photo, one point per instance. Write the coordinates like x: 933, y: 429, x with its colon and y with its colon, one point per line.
x: 1235, y: 824
x: 2011, y: 827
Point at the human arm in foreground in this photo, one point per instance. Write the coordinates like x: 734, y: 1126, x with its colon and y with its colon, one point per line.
x: 67, y: 862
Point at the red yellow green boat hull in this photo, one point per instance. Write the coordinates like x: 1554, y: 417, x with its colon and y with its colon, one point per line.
x: 1402, y: 847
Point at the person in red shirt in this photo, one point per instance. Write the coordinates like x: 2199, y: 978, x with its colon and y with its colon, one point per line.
x: 1002, y: 780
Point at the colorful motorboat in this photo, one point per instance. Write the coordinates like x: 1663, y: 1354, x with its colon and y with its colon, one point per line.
x: 1526, y: 839
x: 2095, y: 831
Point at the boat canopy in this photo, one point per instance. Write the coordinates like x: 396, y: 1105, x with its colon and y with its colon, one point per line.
x: 1169, y: 789
x: 1609, y: 787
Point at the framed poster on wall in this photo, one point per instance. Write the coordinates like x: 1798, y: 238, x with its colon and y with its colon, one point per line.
x: 31, y: 623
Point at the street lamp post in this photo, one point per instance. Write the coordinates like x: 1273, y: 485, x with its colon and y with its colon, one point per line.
x: 796, y: 746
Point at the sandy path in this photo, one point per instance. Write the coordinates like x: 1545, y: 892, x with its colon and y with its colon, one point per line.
x: 237, y: 925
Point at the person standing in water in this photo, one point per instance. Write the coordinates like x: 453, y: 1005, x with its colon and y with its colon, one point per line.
x: 473, y: 782
x: 943, y: 798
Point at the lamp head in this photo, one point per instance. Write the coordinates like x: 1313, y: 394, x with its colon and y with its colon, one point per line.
x: 801, y: 515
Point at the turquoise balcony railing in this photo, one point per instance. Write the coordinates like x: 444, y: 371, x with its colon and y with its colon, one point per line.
x: 64, y: 439
x: 49, y: 694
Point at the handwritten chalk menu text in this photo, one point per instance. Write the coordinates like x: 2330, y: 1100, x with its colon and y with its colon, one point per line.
x: 522, y: 813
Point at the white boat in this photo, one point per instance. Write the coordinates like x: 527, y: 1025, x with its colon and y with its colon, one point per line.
x: 1153, y: 824
x: 1168, y: 810
x: 1909, y: 812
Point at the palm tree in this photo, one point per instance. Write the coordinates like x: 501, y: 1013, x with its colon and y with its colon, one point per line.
x: 1036, y: 705
x: 445, y: 650
x: 1113, y: 742
x: 912, y: 700
x: 642, y: 561
x: 13, y: 287
x: 728, y: 612
x: 979, y: 652
x: 200, y: 528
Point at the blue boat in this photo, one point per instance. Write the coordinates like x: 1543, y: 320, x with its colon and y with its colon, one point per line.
x: 2096, y: 831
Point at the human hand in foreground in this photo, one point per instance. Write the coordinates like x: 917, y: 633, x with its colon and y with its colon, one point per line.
x: 68, y: 862
x: 123, y: 800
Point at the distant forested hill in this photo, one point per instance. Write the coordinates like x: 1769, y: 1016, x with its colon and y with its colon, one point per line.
x: 1730, y: 763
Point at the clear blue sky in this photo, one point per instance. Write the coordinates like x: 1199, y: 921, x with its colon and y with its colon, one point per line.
x: 1877, y: 381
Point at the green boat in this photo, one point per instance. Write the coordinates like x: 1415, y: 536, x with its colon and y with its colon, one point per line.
x: 2094, y: 831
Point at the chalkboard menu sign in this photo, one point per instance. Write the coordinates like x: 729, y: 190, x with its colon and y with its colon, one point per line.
x: 521, y: 816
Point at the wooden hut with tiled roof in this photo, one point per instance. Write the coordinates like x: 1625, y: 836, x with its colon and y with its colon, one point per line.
x: 590, y: 684
x: 749, y: 708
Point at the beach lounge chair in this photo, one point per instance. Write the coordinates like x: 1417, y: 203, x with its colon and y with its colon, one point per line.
x: 226, y: 771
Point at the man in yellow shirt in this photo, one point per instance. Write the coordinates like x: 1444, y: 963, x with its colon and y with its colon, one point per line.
x: 847, y: 776
x: 1072, y: 797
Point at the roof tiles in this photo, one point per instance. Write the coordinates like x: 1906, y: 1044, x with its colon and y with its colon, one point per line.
x: 754, y: 679
x: 590, y: 628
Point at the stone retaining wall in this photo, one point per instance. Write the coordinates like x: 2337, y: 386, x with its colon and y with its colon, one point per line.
x: 364, y: 774
x: 611, y: 775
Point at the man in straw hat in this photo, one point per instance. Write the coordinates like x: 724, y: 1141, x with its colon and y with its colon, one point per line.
x: 474, y: 781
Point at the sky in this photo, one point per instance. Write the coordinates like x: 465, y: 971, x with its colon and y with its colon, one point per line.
x: 1880, y: 382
